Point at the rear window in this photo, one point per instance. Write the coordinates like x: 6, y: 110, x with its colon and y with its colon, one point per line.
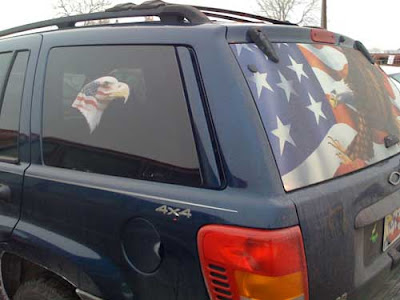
x: 326, y: 109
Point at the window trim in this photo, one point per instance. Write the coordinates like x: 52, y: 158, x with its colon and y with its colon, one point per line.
x: 7, y: 77
x: 203, y: 130
x: 3, y: 158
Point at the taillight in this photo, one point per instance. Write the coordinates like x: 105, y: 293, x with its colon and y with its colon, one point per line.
x: 322, y: 36
x: 240, y: 263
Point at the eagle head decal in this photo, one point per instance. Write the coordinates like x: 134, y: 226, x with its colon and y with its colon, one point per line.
x: 96, y: 96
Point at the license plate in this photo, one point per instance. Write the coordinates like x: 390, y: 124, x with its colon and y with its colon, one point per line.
x: 391, y: 231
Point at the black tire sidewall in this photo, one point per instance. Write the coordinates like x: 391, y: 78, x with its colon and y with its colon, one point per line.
x: 41, y: 289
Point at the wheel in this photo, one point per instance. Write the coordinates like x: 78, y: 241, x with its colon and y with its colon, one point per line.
x: 44, y: 289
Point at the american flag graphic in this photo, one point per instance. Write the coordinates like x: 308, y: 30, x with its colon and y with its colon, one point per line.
x: 86, y: 99
x: 309, y: 109
x: 96, y: 96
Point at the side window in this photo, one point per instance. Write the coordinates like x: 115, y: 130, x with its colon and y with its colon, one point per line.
x: 121, y: 111
x: 5, y: 61
x: 11, y: 102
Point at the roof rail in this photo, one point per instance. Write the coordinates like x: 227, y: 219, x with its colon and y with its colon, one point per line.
x: 168, y: 13
x: 225, y: 14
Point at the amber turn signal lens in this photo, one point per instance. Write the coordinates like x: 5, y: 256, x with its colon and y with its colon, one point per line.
x: 253, y: 286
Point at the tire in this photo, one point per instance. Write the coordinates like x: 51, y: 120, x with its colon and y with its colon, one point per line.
x: 44, y: 289
x: 3, y: 293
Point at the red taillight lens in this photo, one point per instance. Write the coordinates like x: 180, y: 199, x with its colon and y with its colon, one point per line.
x: 252, y: 263
x: 322, y: 36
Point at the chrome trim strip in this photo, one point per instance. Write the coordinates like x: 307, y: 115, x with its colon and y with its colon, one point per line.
x: 157, y: 198
x: 86, y: 296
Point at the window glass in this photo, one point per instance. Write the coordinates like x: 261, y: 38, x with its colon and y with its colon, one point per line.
x: 5, y: 60
x: 10, y: 109
x: 396, y: 77
x: 119, y: 110
x: 326, y: 109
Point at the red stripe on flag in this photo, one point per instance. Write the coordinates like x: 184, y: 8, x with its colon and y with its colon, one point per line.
x: 87, y: 101
x: 80, y: 106
x: 316, y: 62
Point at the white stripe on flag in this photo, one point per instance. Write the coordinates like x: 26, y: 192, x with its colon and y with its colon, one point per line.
x: 323, y: 162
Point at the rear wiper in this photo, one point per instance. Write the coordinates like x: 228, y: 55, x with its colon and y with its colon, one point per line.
x: 360, y: 47
x: 263, y: 43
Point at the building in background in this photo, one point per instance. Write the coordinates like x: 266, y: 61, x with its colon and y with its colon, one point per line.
x: 391, y: 59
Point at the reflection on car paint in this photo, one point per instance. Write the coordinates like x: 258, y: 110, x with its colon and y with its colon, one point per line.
x: 324, y: 118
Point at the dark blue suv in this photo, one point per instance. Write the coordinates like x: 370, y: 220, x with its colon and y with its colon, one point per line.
x: 185, y: 157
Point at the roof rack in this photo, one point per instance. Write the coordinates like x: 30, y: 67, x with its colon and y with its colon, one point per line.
x: 167, y: 12
x: 239, y: 16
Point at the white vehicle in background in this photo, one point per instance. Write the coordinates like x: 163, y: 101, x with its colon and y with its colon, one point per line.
x: 394, y: 73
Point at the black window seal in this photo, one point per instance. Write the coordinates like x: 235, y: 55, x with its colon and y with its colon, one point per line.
x: 7, y: 77
x: 196, y: 139
x: 214, y: 179
x: 207, y: 111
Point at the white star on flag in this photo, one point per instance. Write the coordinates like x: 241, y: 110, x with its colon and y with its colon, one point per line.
x: 240, y: 47
x: 286, y: 86
x: 297, y: 68
x: 282, y: 132
x: 260, y: 79
x: 316, y: 109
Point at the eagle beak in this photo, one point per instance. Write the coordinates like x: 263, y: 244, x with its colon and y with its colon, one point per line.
x: 121, y: 91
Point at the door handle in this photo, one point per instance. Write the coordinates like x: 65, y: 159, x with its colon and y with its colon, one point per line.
x: 5, y: 193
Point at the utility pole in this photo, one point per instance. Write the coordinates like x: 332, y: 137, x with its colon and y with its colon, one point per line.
x: 324, y: 17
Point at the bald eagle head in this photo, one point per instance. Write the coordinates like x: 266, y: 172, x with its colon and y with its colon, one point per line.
x: 96, y: 96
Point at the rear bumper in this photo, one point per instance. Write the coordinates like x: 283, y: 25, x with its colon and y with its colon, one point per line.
x: 387, y: 287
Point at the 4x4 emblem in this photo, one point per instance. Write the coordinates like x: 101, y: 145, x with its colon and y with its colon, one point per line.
x: 394, y: 178
x: 175, y: 212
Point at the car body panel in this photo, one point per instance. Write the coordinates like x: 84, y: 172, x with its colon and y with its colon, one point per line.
x: 11, y: 174
x: 53, y: 197
x: 74, y: 223
x: 339, y: 264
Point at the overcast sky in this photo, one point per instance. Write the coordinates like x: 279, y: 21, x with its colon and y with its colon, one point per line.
x: 372, y: 22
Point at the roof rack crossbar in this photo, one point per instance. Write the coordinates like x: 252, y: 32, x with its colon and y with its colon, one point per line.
x: 241, y: 14
x: 227, y: 17
x: 168, y: 13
